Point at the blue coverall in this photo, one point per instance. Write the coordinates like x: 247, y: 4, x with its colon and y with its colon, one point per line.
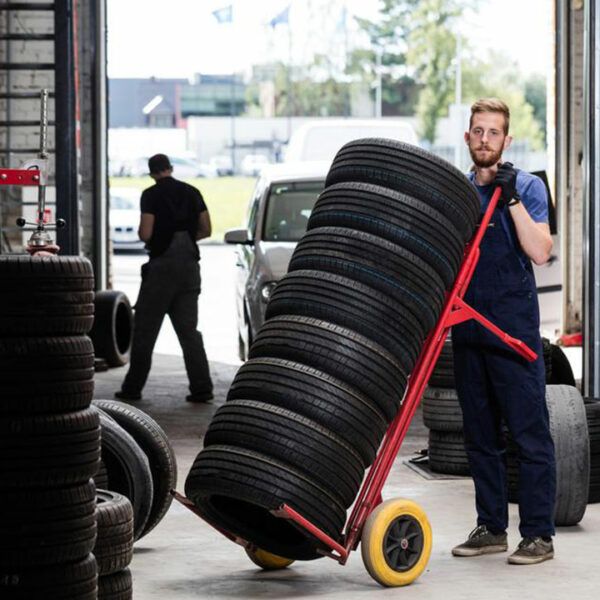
x: 494, y: 383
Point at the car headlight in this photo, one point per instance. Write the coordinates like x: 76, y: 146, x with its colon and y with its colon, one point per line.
x: 265, y: 292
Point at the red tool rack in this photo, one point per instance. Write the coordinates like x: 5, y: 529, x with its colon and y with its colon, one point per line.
x: 395, y: 535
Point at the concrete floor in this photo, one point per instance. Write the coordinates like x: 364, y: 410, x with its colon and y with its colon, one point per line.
x: 183, y: 558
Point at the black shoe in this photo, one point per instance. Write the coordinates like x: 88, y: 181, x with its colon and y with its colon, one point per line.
x: 482, y: 541
x: 123, y: 395
x: 200, y: 397
x: 532, y: 550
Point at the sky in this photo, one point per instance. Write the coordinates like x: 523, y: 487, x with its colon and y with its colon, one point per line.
x: 182, y: 37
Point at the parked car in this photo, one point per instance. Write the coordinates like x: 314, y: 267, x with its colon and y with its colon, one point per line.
x: 124, y: 219
x: 221, y: 165
x: 277, y: 216
x: 252, y: 164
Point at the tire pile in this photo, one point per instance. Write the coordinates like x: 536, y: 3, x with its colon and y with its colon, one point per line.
x: 327, y: 371
x: 138, y: 462
x: 49, y: 435
x: 568, y: 425
x: 592, y: 410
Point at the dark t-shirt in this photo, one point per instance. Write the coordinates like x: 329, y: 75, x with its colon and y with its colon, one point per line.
x: 176, y: 206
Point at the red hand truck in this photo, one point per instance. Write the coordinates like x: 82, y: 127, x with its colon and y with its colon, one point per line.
x: 396, y: 535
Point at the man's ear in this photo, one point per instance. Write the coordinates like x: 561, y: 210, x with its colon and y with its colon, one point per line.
x: 507, y: 141
x: 466, y: 137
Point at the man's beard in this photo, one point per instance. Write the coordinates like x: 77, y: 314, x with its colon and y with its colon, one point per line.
x: 489, y: 161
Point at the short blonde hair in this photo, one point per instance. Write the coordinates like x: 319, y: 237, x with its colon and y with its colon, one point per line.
x: 491, y: 105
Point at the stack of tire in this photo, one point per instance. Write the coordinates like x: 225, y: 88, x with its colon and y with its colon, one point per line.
x: 328, y: 369
x: 49, y: 435
x: 592, y: 410
x: 443, y: 416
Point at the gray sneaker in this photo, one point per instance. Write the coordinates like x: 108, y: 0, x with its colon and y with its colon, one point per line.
x: 532, y: 550
x: 482, y: 541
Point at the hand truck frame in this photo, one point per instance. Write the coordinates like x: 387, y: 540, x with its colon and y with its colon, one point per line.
x: 455, y: 311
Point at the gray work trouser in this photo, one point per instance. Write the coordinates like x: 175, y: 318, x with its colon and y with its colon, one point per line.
x: 170, y: 286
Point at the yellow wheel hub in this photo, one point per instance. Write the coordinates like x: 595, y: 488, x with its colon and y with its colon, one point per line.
x: 396, y: 542
x: 266, y: 560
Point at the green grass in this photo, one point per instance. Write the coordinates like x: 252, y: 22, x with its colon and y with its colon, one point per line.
x: 227, y: 198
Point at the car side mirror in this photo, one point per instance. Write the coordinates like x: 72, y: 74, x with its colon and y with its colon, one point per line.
x: 237, y: 236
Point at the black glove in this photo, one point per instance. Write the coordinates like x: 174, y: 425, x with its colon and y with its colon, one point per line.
x: 506, y: 178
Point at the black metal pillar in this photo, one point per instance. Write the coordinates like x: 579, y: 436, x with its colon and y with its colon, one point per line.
x: 591, y: 198
x: 67, y: 189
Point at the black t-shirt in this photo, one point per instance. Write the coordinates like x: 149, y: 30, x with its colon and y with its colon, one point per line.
x: 176, y: 206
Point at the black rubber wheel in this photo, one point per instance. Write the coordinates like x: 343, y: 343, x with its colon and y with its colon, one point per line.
x: 568, y: 426
x: 592, y: 410
x: 236, y: 489
x: 45, y: 375
x: 45, y: 295
x: 128, y: 470
x: 112, y: 332
x: 114, y: 544
x: 447, y: 453
x: 49, y: 450
x: 441, y: 409
x: 398, y: 218
x: 410, y: 170
x: 338, y: 351
x: 370, y: 260
x: 561, y: 371
x: 155, y: 444
x: 279, y: 433
x: 47, y: 526
x: 65, y: 581
x: 349, y: 304
x: 118, y: 586
x: 325, y: 399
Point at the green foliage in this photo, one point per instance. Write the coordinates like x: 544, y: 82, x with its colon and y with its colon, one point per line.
x: 535, y: 94
x: 226, y: 198
x: 498, y: 77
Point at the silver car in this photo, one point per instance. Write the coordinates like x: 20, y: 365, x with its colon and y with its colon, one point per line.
x: 277, y: 217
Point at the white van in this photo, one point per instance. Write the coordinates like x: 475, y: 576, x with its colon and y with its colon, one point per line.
x: 320, y: 140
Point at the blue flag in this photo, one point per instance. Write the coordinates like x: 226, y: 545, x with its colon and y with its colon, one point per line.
x: 224, y: 15
x: 282, y: 17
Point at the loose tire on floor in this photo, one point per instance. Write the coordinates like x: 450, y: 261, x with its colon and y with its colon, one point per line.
x: 155, y: 444
x: 114, y: 544
x: 266, y: 560
x: 561, y: 372
x: 112, y: 332
x: 396, y: 542
x: 236, y: 489
x: 568, y: 426
x: 128, y: 470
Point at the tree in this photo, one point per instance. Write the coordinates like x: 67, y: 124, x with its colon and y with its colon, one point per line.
x: 498, y: 77
x: 535, y: 94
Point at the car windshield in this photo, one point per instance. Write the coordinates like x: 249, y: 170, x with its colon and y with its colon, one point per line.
x: 122, y: 203
x: 288, y: 207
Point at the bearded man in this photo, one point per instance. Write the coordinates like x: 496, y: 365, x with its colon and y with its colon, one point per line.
x: 495, y: 385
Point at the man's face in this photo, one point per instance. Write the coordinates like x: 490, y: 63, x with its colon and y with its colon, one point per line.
x: 486, y: 139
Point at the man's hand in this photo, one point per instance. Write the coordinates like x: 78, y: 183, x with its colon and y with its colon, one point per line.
x: 506, y: 178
